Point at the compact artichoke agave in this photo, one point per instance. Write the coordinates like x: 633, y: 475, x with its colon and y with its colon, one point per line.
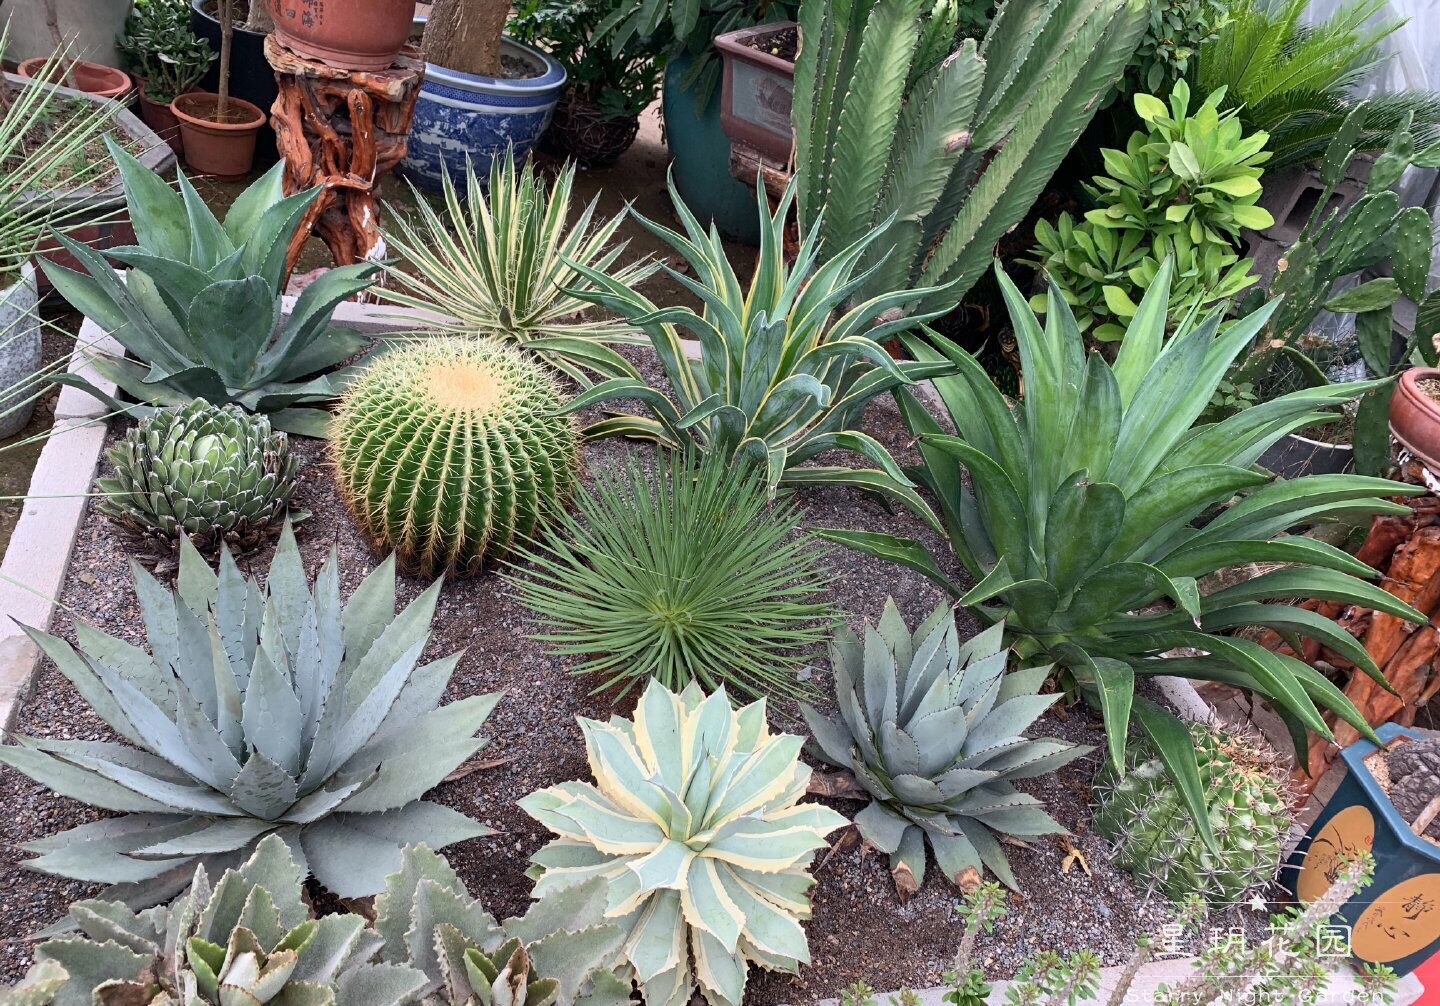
x: 694, y: 824
x: 199, y: 311
x: 1112, y: 449
x: 257, y: 711
x: 211, y: 473
x: 1155, y: 838
x: 246, y: 941
x: 934, y: 732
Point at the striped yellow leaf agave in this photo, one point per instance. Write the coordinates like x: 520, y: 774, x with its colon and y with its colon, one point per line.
x: 695, y: 825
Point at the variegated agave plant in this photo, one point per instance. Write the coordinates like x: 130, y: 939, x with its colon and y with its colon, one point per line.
x: 933, y: 730
x: 694, y: 825
x: 257, y: 712
x: 247, y: 941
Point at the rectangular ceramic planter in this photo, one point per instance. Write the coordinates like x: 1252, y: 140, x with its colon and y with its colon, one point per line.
x: 1396, y: 920
x: 99, y: 213
x: 757, y: 92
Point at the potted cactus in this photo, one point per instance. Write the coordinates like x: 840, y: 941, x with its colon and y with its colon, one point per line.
x: 1391, y: 814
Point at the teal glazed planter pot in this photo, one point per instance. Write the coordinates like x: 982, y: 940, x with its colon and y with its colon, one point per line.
x: 700, y: 160
x: 1396, y: 920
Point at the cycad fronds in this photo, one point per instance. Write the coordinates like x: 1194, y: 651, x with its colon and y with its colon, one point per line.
x: 502, y: 263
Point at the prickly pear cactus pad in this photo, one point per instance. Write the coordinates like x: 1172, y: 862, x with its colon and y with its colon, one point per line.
x: 450, y: 450
x: 1156, y: 839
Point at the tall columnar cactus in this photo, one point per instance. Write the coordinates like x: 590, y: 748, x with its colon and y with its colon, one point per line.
x: 450, y: 450
x: 934, y: 730
x: 1156, y: 839
x: 695, y: 826
x: 212, y: 473
x: 945, y: 158
x: 257, y: 711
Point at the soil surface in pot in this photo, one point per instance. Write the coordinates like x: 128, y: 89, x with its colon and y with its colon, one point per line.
x: 60, y: 118
x: 784, y: 44
x: 860, y: 930
x: 1430, y: 386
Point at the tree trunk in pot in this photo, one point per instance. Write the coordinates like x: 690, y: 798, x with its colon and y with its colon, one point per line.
x: 227, y: 38
x: 261, y: 21
x: 464, y: 35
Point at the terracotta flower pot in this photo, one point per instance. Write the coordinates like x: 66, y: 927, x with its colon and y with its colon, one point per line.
x: 158, y: 116
x: 92, y: 78
x: 1415, y: 414
x: 350, y: 34
x: 222, y: 149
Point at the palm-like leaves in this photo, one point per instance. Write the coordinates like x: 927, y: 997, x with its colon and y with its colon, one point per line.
x: 257, y: 712
x: 779, y: 379
x: 199, y: 309
x: 1081, y: 515
x: 1295, y: 81
x: 500, y: 263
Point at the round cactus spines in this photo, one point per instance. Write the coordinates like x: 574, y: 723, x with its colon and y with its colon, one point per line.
x: 1157, y: 841
x: 449, y: 450
x: 214, y: 473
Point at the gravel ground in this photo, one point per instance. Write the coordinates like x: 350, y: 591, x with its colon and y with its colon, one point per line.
x: 859, y: 931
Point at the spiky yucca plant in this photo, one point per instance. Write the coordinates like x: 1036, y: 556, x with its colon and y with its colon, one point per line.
x: 450, y: 450
x: 211, y: 473
x: 687, y: 575
x: 1113, y: 449
x: 561, y: 953
x: 784, y: 372
x: 934, y: 730
x: 257, y: 711
x: 1155, y: 838
x: 250, y: 940
x: 695, y: 826
x: 499, y: 262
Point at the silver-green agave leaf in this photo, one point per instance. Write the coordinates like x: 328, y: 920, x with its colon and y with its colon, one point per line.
x: 934, y: 731
x: 212, y: 473
x: 562, y: 953
x: 257, y: 711
x: 247, y: 941
x: 695, y: 827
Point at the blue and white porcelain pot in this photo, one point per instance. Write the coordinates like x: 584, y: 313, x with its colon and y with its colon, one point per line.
x: 461, y: 114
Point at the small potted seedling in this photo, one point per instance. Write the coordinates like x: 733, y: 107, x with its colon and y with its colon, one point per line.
x: 219, y: 130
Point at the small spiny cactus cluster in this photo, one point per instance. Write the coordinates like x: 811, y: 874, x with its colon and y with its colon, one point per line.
x: 450, y: 450
x: 1157, y: 841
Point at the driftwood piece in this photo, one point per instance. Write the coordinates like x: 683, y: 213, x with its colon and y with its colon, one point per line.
x: 341, y: 130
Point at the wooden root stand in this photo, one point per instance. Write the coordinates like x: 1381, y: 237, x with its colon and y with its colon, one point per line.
x: 342, y: 130
x: 1406, y: 551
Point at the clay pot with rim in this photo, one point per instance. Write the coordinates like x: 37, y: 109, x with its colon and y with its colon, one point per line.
x: 158, y: 116
x: 219, y: 149
x: 92, y: 78
x: 350, y: 34
x: 1415, y: 415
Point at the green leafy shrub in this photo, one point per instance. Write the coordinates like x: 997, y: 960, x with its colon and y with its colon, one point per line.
x: 780, y: 379
x: 1173, y: 36
x: 1181, y: 190
x: 200, y: 303
x: 449, y: 450
x: 211, y: 473
x: 934, y: 731
x: 251, y: 940
x: 694, y: 825
x: 1113, y: 449
x: 931, y: 160
x: 160, y: 47
x: 684, y: 576
x: 1296, y: 81
x: 1155, y: 839
x: 505, y: 264
x: 257, y: 711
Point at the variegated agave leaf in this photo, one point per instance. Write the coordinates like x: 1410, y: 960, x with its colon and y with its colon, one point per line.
x: 560, y: 954
x: 934, y: 730
x: 695, y: 829
x: 257, y: 711
x: 248, y: 941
